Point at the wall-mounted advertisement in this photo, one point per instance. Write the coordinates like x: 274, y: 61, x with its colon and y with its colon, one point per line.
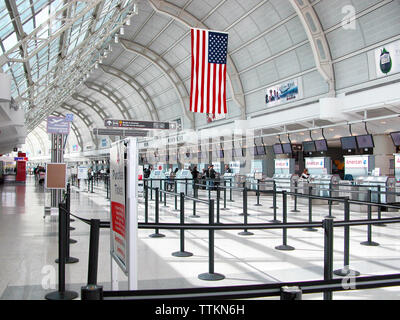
x: 387, y: 59
x: 283, y: 93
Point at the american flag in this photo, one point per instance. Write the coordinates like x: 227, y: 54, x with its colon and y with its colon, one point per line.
x: 209, y: 53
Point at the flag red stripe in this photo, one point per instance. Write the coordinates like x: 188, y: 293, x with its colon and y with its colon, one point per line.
x: 224, y: 84
x: 191, y: 88
x: 196, y: 97
x: 220, y: 89
x: 203, y: 53
x: 214, y: 89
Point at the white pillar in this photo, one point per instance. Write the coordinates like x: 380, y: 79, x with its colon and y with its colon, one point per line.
x: 383, y: 151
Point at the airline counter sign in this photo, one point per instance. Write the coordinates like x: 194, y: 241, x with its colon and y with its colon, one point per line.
x: 282, y: 164
x: 356, y: 163
x: 315, y: 163
x: 397, y: 161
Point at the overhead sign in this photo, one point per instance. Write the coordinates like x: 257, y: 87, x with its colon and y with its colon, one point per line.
x: 360, y: 162
x: 139, y: 124
x: 57, y: 125
x: 283, y: 93
x: 315, y: 163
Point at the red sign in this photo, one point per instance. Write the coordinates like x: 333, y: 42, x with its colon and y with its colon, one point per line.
x: 21, y: 171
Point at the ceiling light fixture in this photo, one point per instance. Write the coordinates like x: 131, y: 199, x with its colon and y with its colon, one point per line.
x: 122, y: 31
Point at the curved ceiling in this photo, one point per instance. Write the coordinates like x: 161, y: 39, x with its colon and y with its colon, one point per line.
x: 146, y: 75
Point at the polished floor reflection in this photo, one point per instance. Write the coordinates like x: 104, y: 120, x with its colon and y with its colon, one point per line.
x: 29, y: 246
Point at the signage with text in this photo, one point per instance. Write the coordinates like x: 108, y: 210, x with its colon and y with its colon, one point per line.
x: 356, y: 162
x: 139, y: 124
x: 57, y: 125
x: 315, y: 163
x: 282, y: 163
x: 118, y: 218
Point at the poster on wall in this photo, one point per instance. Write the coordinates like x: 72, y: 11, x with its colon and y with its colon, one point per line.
x: 388, y: 59
x: 118, y: 206
x: 283, y: 93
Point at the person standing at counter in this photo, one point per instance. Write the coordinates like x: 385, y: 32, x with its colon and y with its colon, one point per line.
x: 305, y: 175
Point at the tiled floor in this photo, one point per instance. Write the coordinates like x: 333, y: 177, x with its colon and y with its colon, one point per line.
x: 28, y: 247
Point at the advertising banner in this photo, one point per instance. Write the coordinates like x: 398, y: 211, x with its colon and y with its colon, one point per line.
x: 21, y: 171
x: 283, y: 93
x: 118, y: 218
x: 388, y: 59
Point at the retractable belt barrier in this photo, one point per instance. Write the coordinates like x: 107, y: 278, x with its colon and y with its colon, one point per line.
x: 328, y: 224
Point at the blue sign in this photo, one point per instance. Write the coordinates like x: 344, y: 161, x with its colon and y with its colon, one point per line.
x: 69, y: 117
x: 104, y: 142
x: 57, y: 125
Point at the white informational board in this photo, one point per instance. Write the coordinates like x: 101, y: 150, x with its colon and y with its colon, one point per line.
x: 82, y: 172
x: 118, y: 205
x: 124, y: 199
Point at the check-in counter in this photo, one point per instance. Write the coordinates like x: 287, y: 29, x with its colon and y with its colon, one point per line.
x: 285, y: 182
x: 322, y: 185
x: 384, y: 183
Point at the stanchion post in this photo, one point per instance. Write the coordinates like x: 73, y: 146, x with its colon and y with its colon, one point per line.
x: 328, y: 254
x: 61, y: 294
x: 291, y: 293
x: 224, y: 208
x: 258, y: 194
x: 379, y: 208
x: 146, y: 202
x: 92, y: 291
x: 284, y: 246
x: 310, y: 207
x: 369, y: 241
x: 245, y: 214
x: 157, y: 212
x: 211, y: 275
x: 295, y: 197
x: 182, y: 253
x: 274, y: 206
x: 218, y: 200
x: 69, y: 228
x: 176, y: 196
x: 346, y: 271
x: 230, y: 190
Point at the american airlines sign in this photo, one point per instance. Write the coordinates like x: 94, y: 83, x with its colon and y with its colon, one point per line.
x: 315, y: 163
x: 282, y: 164
x: 356, y: 163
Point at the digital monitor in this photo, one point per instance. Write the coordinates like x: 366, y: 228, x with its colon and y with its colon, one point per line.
x: 365, y: 141
x: 167, y: 158
x: 287, y: 148
x: 348, y: 143
x: 278, y: 148
x: 260, y: 150
x: 221, y: 154
x: 309, y: 146
x: 321, y: 145
x: 396, y: 138
x: 199, y: 155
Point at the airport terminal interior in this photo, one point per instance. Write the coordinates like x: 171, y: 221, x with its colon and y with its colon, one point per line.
x: 200, y: 148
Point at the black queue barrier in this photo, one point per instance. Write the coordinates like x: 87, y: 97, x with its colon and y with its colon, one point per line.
x: 245, y: 214
x: 369, y: 241
x: 157, y: 234
x: 92, y: 291
x: 346, y: 271
x: 284, y: 246
x: 211, y: 275
x: 310, y: 202
x: 62, y: 293
x: 182, y: 253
